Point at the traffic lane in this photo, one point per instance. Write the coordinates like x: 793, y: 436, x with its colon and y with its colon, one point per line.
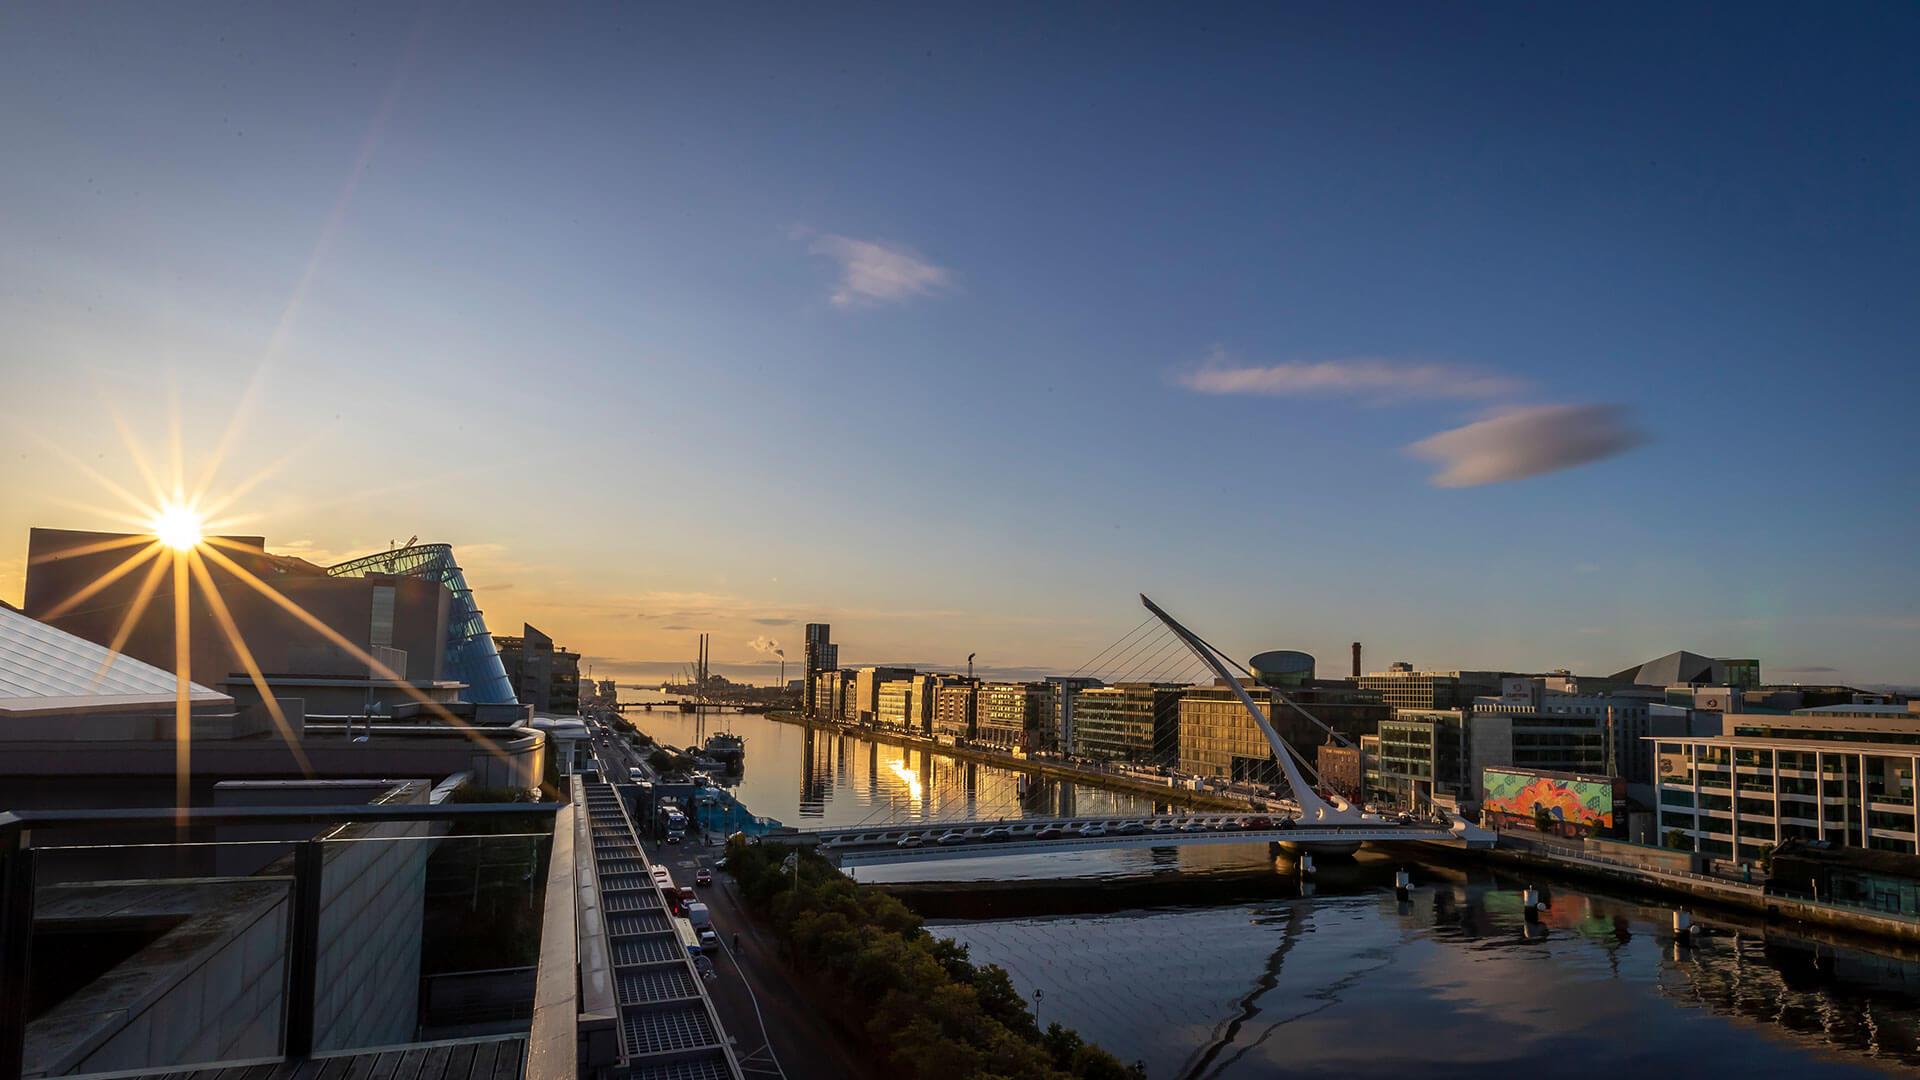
x: 803, y: 1039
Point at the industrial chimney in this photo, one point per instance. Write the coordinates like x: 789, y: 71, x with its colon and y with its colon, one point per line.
x: 1356, y: 659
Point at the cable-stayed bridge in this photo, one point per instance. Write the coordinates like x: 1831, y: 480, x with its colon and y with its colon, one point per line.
x: 1307, y: 820
x: 875, y: 846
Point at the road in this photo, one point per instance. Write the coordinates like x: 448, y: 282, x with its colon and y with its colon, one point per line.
x: 776, y: 1029
x: 758, y: 1000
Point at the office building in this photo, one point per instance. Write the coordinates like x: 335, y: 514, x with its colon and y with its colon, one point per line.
x: 830, y: 691
x: 541, y: 673
x: 1137, y: 722
x: 1533, y: 726
x: 905, y: 704
x: 1683, y: 667
x: 1013, y: 715
x: 866, y: 689
x: 1064, y: 688
x: 1218, y: 739
x: 820, y: 655
x: 1424, y: 759
x: 409, y: 609
x: 955, y: 707
x: 1401, y: 687
x: 1841, y: 773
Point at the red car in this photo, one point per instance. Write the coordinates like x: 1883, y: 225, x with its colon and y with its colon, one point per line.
x: 1256, y: 823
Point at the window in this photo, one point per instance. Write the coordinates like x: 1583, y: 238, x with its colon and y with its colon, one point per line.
x: 381, y: 632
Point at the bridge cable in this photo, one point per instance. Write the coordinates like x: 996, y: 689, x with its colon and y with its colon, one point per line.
x: 1103, y: 652
x: 1151, y: 641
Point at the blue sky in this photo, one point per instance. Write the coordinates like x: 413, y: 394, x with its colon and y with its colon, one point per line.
x: 959, y: 327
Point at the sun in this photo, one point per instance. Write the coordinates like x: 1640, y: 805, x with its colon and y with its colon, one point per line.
x: 178, y: 527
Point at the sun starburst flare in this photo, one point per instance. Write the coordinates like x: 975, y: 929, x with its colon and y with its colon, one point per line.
x: 180, y: 533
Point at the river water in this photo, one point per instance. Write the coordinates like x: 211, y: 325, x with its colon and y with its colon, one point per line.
x: 1340, y: 978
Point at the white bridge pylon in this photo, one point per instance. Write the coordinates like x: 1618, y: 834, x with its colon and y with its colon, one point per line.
x: 1312, y: 807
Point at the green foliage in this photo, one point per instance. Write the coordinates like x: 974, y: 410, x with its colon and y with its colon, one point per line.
x: 933, y: 1013
x: 1678, y: 840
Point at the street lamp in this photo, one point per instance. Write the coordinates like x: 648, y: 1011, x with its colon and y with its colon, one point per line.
x: 1036, y: 1006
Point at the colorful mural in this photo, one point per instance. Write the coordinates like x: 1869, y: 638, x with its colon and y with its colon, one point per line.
x: 1580, y: 802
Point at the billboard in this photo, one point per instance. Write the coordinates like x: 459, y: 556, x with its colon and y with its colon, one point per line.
x: 1585, y: 802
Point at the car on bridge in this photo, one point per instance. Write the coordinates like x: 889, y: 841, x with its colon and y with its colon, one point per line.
x: 952, y: 837
x: 997, y: 835
x: 1257, y: 822
x: 1093, y: 828
x: 1051, y: 832
x: 911, y: 840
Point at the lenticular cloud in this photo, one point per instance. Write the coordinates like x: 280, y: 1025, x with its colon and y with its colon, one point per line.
x: 1528, y: 441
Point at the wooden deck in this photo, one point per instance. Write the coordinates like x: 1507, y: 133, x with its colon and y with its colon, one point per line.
x: 496, y: 1058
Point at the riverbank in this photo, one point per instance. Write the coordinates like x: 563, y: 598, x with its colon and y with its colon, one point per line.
x: 929, y: 1013
x: 1197, y: 800
x: 1801, y: 914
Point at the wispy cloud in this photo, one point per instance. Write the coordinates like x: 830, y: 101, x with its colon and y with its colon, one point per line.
x: 875, y: 273
x: 1528, y: 441
x: 1357, y: 377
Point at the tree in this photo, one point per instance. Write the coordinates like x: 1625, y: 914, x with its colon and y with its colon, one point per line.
x: 1542, y: 820
x: 1677, y: 840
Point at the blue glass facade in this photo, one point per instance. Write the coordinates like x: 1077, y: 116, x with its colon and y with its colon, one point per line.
x: 470, y: 653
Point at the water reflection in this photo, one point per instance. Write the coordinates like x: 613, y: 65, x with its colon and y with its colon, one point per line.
x: 1346, y: 979
x: 814, y: 777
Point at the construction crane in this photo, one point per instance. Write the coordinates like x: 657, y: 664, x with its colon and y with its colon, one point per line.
x: 393, y: 552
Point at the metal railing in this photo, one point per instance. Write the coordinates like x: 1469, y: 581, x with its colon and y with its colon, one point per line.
x: 1579, y: 855
x: 22, y: 851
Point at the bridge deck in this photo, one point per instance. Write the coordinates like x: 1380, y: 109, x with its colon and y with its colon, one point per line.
x: 916, y: 842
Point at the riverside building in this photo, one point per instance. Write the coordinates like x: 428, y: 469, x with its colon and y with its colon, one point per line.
x: 1012, y: 715
x: 821, y: 655
x: 955, y: 705
x: 1218, y: 739
x: 1128, y: 722
x: 1840, y: 773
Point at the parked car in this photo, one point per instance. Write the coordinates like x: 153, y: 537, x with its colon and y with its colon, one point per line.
x: 703, y: 876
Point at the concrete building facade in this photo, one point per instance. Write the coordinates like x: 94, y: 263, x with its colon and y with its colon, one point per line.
x: 1013, y: 715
